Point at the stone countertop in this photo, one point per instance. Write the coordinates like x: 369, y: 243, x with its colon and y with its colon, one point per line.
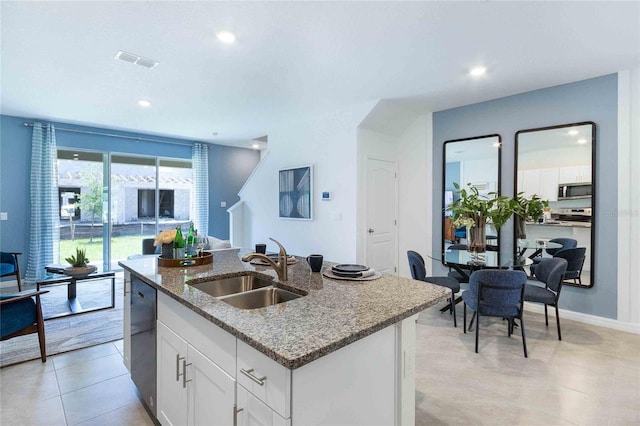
x: 564, y: 223
x: 332, y: 315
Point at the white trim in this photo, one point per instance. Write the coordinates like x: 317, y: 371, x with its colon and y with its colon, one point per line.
x: 584, y: 318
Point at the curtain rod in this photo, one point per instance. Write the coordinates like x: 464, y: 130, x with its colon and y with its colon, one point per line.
x: 118, y: 136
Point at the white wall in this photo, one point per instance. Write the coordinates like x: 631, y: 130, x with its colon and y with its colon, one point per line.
x: 328, y: 143
x: 628, y: 210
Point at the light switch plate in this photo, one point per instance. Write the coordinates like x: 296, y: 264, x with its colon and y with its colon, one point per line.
x: 223, y: 204
x: 4, y: 216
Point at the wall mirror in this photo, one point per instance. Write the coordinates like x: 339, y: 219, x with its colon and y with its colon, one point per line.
x: 476, y: 161
x: 558, y: 164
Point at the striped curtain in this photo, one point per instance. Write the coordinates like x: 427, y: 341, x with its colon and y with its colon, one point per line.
x: 44, y: 232
x: 200, y: 191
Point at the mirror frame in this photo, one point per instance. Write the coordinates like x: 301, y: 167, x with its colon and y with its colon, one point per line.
x: 592, y: 249
x: 443, y: 189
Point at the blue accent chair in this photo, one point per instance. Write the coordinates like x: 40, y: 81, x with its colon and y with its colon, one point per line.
x: 148, y: 247
x: 20, y: 314
x: 9, y: 266
x: 419, y: 272
x: 496, y: 293
x: 549, y: 272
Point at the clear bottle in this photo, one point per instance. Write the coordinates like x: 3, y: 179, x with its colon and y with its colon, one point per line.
x: 191, y: 241
x: 178, y: 244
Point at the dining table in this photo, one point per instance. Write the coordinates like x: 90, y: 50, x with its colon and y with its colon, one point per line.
x: 536, y: 245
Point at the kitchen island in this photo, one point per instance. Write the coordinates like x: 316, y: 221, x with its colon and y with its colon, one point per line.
x: 341, y: 354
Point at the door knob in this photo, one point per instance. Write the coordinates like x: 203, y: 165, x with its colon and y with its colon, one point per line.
x: 371, y: 230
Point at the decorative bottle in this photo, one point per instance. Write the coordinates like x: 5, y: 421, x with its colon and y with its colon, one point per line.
x: 191, y: 241
x: 178, y: 244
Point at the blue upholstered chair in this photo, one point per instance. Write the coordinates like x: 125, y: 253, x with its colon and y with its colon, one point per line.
x: 419, y: 272
x: 549, y: 272
x: 575, y: 258
x: 461, y: 278
x: 496, y: 293
x: 9, y: 266
x: 148, y: 247
x: 20, y: 314
x: 566, y: 243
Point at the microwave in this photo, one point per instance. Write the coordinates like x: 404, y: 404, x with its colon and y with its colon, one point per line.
x: 572, y: 191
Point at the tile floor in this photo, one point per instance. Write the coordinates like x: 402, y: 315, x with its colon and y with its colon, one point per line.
x: 592, y: 377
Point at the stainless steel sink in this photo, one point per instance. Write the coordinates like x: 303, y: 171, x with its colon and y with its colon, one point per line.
x: 226, y: 286
x: 260, y: 298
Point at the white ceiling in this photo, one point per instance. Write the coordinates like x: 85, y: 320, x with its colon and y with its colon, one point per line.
x: 293, y: 59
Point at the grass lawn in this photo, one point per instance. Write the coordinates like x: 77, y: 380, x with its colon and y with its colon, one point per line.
x: 121, y: 247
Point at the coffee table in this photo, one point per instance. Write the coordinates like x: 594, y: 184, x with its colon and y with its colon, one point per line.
x: 74, y: 306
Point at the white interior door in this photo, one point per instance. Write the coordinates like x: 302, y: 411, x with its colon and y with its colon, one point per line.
x: 381, y: 233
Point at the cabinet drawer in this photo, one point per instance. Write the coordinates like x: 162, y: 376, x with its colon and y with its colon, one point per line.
x: 202, y: 334
x: 266, y: 379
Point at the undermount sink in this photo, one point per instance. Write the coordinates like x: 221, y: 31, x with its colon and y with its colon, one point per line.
x: 226, y: 286
x: 260, y: 298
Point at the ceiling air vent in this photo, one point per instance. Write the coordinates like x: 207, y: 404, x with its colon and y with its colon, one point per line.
x: 135, y: 59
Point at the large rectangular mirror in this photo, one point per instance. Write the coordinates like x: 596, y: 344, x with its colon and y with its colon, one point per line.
x: 558, y: 164
x: 474, y: 161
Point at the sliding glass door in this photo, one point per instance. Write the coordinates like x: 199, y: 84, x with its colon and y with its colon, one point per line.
x: 119, y: 199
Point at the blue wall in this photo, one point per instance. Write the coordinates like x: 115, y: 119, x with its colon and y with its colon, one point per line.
x: 588, y: 100
x: 229, y: 168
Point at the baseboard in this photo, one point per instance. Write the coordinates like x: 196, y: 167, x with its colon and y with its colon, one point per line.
x: 587, y: 319
x: 8, y: 283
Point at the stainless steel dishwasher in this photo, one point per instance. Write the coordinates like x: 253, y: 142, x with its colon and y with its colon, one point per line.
x: 143, y: 340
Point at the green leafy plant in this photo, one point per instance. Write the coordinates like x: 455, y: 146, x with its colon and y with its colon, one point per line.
x: 472, y: 208
x: 79, y: 259
x: 530, y: 209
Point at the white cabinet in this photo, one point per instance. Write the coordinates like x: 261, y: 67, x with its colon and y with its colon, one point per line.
x: 192, y: 389
x: 575, y: 174
x: 126, y: 341
x: 251, y: 411
x: 548, y: 188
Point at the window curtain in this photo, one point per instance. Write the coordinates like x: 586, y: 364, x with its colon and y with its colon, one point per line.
x: 44, y: 232
x: 200, y: 199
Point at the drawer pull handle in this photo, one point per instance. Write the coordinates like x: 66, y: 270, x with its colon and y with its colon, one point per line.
x: 247, y: 373
x: 178, y: 359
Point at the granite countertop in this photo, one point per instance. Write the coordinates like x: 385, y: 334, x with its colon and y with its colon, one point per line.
x: 571, y: 224
x: 332, y: 315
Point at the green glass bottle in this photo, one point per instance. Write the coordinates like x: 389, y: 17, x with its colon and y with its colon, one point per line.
x: 191, y: 241
x: 178, y: 244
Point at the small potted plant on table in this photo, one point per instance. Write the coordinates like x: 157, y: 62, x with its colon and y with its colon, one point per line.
x: 79, y: 264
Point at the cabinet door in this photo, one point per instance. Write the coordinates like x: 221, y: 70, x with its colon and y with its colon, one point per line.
x: 251, y: 411
x: 549, y: 184
x: 211, y: 392
x: 126, y: 341
x: 172, y: 394
x: 531, y: 182
x: 569, y: 174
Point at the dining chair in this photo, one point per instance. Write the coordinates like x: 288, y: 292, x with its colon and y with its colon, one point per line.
x: 20, y: 314
x: 566, y: 243
x: 458, y: 276
x: 575, y: 258
x: 9, y: 266
x: 496, y: 293
x: 550, y: 272
x: 419, y: 272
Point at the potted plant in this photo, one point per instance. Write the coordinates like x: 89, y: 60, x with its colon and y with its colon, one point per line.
x: 528, y: 210
x: 473, y: 211
x: 79, y: 264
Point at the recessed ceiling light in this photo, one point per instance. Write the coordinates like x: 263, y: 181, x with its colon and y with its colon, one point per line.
x: 582, y: 141
x: 144, y: 103
x: 214, y: 133
x: 226, y: 37
x: 572, y: 132
x: 477, y: 71
x: 497, y: 144
x: 75, y: 155
x: 255, y: 146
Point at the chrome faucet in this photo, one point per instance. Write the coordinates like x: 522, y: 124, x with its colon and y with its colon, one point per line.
x: 280, y: 266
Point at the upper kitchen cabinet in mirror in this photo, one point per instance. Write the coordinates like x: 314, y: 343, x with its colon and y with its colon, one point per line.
x: 476, y: 161
x: 558, y: 164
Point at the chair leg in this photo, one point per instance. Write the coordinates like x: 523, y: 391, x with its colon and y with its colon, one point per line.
x: 558, y: 323
x: 509, y: 326
x: 477, y: 330
x: 546, y: 316
x: 524, y: 341
x: 40, y: 325
x: 473, y: 316
x: 464, y: 319
x: 453, y: 308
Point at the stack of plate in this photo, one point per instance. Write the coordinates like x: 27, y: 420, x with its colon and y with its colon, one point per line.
x: 351, y: 271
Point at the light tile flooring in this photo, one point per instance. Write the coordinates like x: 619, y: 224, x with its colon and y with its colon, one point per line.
x: 592, y: 377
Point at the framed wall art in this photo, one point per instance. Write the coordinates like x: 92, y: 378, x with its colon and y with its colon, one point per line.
x: 295, y: 194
